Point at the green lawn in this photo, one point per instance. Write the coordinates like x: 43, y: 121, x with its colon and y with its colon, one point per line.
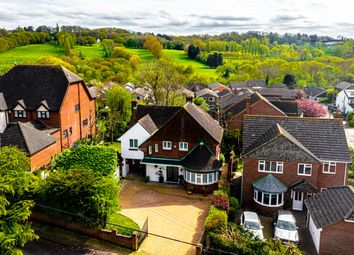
x: 123, y: 221
x: 144, y: 55
x: 94, y: 51
x: 28, y: 55
x: 181, y: 58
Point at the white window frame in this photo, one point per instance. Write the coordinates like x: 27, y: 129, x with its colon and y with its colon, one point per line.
x: 43, y: 115
x: 329, y: 165
x: 156, y: 147
x: 183, y: 146
x: 150, y: 149
x: 262, y: 165
x: 211, y: 99
x: 305, y: 165
x: 167, y: 145
x: 133, y: 144
x: 279, y: 198
x: 351, y: 101
x: 211, y: 177
x: 17, y: 114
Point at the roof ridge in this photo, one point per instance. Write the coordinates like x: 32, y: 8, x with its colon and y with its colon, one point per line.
x: 293, y: 117
x: 22, y: 134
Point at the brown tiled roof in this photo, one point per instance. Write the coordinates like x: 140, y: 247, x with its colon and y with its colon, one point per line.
x: 290, y: 108
x: 26, y: 138
x: 206, y: 121
x: 324, y: 138
x: 331, y: 205
x: 159, y: 114
x: 147, y: 123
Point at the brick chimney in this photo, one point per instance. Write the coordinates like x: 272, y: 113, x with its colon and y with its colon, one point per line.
x: 248, y: 105
x: 133, y: 119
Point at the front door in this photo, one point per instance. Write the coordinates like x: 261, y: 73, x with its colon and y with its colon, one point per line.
x: 172, y: 174
x: 298, y: 200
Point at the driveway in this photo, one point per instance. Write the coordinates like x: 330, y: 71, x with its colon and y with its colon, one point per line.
x: 171, y: 212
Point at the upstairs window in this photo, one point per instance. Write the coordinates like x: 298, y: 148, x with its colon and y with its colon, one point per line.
x: 329, y: 167
x: 156, y: 147
x: 270, y: 166
x: 20, y: 114
x: 65, y: 133
x: 150, y: 149
x: 77, y: 107
x: 183, y: 146
x: 167, y: 145
x: 84, y: 122
x: 304, y: 169
x: 133, y: 143
x: 43, y: 115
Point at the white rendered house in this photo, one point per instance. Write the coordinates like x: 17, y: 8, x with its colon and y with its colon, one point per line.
x: 345, y: 100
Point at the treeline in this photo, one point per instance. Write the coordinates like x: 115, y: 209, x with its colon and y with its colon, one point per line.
x: 9, y: 40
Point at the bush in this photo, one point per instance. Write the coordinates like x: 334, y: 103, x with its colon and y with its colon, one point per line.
x: 101, y: 159
x: 222, y: 158
x: 351, y: 123
x: 232, y: 214
x: 216, y: 221
x: 146, y: 178
x: 221, y: 201
x: 234, y: 202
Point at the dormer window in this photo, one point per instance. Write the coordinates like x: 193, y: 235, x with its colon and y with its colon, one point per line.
x: 19, y: 114
x: 43, y: 115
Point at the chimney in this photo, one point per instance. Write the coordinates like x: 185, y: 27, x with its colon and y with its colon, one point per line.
x: 133, y: 119
x: 248, y: 105
x: 189, y: 99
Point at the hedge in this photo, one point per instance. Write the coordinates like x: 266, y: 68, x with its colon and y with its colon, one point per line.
x: 216, y: 221
x: 98, y: 158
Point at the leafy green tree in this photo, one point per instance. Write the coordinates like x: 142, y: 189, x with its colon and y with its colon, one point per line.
x: 331, y: 95
x: 289, y: 80
x: 87, y: 193
x: 15, y: 184
x: 199, y: 101
x: 193, y: 51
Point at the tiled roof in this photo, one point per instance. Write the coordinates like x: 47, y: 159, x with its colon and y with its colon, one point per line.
x: 26, y: 138
x: 247, y: 84
x: 343, y: 85
x: 290, y: 108
x: 195, y: 87
x: 280, y: 85
x: 223, y: 93
x: 324, y: 138
x: 331, y: 205
x: 159, y: 114
x: 240, y: 105
x: 35, y: 83
x: 314, y: 91
x: 303, y: 186
x: 269, y: 184
x: 206, y: 121
x: 205, y: 91
x: 277, y: 92
x: 201, y: 158
x: 148, y: 124
x: 229, y: 99
x: 215, y: 85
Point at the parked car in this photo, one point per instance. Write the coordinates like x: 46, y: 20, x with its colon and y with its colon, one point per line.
x: 250, y: 221
x: 332, y: 107
x: 285, y: 227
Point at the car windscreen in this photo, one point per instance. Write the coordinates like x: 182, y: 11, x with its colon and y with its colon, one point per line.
x: 286, y: 225
x: 252, y: 225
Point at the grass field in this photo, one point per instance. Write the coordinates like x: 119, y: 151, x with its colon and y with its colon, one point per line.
x: 28, y: 54
x: 94, y: 51
x: 144, y: 55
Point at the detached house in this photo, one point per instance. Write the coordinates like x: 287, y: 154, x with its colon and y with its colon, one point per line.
x: 174, y: 145
x: 44, y: 109
x: 331, y: 220
x: 345, y: 100
x: 287, y: 159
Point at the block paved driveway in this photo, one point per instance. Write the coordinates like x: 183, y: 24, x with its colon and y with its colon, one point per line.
x: 171, y: 213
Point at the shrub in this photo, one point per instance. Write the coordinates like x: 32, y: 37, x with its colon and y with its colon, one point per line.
x: 232, y: 214
x: 146, y: 178
x: 234, y: 202
x: 216, y: 221
x: 351, y: 123
x: 101, y: 159
x: 222, y: 158
x: 221, y: 201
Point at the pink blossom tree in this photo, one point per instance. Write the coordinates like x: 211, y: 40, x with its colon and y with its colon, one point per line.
x: 312, y: 108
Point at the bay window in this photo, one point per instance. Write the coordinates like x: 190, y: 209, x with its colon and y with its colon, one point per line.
x: 268, y: 199
x: 200, y: 178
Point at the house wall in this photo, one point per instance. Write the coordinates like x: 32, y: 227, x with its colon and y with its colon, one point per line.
x: 260, y: 108
x: 337, y: 238
x: 315, y: 233
x: 43, y: 157
x: 342, y: 101
x: 151, y: 171
x: 174, y: 131
x: 3, y: 121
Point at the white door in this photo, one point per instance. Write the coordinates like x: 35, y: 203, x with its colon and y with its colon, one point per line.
x: 298, y: 200
x: 315, y: 234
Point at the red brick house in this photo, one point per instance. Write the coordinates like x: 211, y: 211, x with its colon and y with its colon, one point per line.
x: 331, y: 220
x: 173, y: 145
x: 52, y: 103
x: 249, y: 102
x: 287, y: 159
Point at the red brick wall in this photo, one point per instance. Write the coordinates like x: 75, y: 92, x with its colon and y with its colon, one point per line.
x: 172, y: 131
x: 337, y: 238
x: 43, y: 157
x: 260, y: 108
x: 289, y: 176
x: 54, y: 119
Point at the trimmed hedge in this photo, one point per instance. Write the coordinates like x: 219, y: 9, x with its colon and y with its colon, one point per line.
x: 216, y: 221
x: 100, y: 159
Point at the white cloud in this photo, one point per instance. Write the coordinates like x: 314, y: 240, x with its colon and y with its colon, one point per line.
x: 186, y: 16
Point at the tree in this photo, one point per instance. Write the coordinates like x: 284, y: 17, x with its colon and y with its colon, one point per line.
x: 331, y: 95
x: 87, y: 193
x: 199, y: 101
x: 193, y: 51
x: 153, y: 45
x: 290, y: 80
x: 312, y: 108
x: 15, y: 184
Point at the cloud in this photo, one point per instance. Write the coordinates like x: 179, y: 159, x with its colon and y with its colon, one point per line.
x: 223, y: 18
x: 287, y: 18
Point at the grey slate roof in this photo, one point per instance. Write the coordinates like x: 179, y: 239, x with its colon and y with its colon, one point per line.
x: 26, y: 138
x: 159, y: 114
x: 201, y: 158
x: 240, y: 106
x: 343, y: 85
x: 290, y: 108
x: 34, y: 83
x: 229, y: 99
x: 331, y: 205
x: 206, y: 121
x: 148, y: 124
x: 269, y: 184
x: 195, y: 87
x: 324, y: 138
x: 205, y: 91
x: 247, y: 84
x: 277, y: 92
x: 314, y: 91
x: 223, y: 93
x: 303, y: 186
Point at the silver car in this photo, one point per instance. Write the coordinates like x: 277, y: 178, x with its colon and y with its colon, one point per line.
x: 251, y: 222
x: 285, y: 228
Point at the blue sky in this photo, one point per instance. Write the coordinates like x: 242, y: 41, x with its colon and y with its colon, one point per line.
x: 323, y: 17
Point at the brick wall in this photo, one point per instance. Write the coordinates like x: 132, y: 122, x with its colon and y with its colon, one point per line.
x: 43, y: 157
x: 337, y: 238
x: 260, y: 108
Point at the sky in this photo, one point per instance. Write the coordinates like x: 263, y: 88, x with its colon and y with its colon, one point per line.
x: 183, y: 17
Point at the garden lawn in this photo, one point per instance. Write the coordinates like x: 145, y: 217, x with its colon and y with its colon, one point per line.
x: 28, y: 54
x: 180, y: 58
x: 123, y: 224
x: 94, y: 51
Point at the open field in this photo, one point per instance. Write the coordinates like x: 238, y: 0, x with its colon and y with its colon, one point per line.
x: 94, y: 51
x: 144, y: 55
x: 28, y: 54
